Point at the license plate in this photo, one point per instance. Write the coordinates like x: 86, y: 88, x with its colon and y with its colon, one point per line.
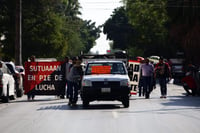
x: 105, y: 90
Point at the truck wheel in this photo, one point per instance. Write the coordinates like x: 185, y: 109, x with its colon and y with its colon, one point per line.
x: 5, y: 99
x: 125, y: 102
x: 62, y: 96
x: 85, y: 103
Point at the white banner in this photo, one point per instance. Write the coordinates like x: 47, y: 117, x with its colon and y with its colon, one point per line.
x: 134, y: 75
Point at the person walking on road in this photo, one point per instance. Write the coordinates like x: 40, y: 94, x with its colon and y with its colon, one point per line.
x: 162, y: 73
x: 75, y: 76
x: 30, y: 94
x: 140, y: 85
x: 147, y: 73
x: 67, y: 70
x: 153, y: 80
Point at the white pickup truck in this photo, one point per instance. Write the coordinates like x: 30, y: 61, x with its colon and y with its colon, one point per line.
x: 105, y: 80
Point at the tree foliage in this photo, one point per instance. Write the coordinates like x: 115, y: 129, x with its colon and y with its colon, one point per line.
x: 42, y: 29
x: 161, y: 27
x: 49, y: 29
x: 89, y: 33
x: 118, y: 29
x: 140, y: 26
x: 7, y: 28
x: 149, y: 20
x: 184, y: 27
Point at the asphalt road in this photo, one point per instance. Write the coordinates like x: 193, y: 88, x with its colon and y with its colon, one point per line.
x: 48, y: 114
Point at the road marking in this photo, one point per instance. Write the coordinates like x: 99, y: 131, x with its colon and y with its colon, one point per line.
x: 115, y: 114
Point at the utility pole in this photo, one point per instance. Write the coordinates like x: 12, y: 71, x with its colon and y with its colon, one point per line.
x: 18, y: 31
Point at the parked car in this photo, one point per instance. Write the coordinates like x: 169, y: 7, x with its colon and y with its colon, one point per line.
x: 105, y: 80
x: 177, y: 68
x: 18, y: 76
x: 7, y: 83
x: 177, y: 71
x: 154, y: 59
x: 139, y: 58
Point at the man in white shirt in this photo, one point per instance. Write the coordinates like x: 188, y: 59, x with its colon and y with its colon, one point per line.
x: 67, y: 70
x: 147, y: 73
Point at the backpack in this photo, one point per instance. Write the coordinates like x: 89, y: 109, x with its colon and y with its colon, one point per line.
x: 77, y: 73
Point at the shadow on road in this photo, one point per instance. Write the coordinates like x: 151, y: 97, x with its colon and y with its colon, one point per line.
x: 183, y: 101
x: 80, y: 107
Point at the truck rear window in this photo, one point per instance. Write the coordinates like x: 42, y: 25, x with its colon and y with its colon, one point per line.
x: 105, y: 68
x: 100, y: 69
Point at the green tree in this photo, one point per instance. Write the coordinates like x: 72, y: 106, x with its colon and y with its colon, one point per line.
x: 7, y: 28
x: 89, y: 33
x: 118, y: 29
x: 149, y: 19
x: 139, y: 27
x: 184, y: 27
x: 42, y: 29
x: 49, y: 29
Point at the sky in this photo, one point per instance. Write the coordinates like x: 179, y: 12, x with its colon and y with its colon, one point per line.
x: 99, y: 11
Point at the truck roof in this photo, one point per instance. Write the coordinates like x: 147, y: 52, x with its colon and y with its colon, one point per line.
x: 106, y: 61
